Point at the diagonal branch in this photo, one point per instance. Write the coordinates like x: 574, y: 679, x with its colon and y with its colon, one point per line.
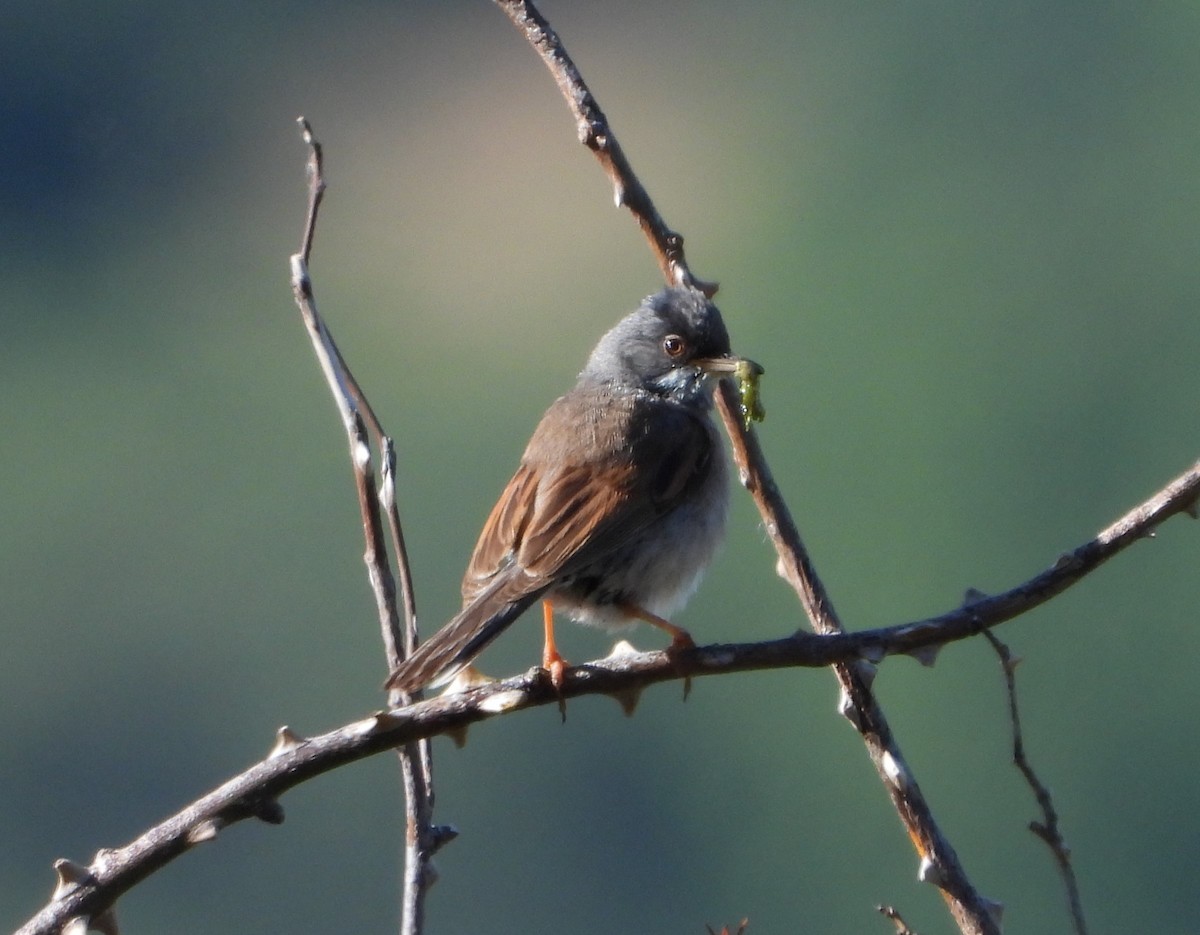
x: 1181, y: 495
x: 596, y: 134
x: 939, y: 863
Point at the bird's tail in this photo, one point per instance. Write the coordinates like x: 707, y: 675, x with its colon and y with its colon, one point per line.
x: 436, y: 661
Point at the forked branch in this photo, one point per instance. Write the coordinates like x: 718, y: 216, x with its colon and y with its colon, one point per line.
x: 422, y: 839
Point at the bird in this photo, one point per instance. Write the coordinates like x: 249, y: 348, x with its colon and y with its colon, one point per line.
x: 619, y: 502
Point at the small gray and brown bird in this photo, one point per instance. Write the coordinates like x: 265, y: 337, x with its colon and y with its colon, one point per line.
x: 619, y: 502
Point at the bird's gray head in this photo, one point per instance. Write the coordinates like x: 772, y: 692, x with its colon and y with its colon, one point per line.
x: 669, y: 346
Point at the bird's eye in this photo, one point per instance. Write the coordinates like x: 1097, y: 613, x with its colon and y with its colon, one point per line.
x: 674, y: 345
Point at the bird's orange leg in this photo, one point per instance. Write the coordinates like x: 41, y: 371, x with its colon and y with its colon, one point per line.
x: 680, y: 638
x: 552, y: 662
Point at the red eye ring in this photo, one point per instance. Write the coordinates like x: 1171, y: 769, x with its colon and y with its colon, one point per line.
x: 674, y: 345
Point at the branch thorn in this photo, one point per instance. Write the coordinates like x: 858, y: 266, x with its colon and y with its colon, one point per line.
x: 285, y: 742
x: 70, y: 875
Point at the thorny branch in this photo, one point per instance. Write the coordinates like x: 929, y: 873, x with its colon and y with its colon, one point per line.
x: 939, y: 862
x: 596, y: 134
x: 88, y: 892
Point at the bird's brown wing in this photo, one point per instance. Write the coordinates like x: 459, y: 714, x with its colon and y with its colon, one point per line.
x: 558, y: 516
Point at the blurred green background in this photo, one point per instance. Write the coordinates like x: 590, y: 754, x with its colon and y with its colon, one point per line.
x: 963, y: 241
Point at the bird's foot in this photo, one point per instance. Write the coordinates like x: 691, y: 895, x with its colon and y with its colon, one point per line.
x: 556, y: 668
x: 681, y: 642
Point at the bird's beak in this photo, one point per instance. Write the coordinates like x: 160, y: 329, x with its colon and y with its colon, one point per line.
x: 729, y: 366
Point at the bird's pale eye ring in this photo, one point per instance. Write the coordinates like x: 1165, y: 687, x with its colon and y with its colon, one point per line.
x: 674, y: 346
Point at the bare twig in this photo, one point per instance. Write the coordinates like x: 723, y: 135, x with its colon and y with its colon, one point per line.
x: 347, y: 394
x: 92, y: 890
x: 1047, y: 829
x: 596, y: 134
x: 421, y: 838
x: 901, y: 926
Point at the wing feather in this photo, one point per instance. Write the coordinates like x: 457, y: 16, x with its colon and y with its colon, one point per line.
x: 569, y: 504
